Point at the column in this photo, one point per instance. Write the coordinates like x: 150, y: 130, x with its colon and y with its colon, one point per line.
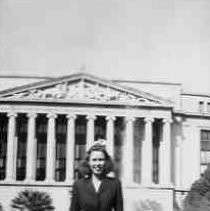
x: 110, y: 135
x: 31, y: 148
x: 11, y: 159
x: 128, y: 150
x: 50, y: 173
x: 196, y: 151
x: 90, y: 131
x: 165, y: 153
x: 147, y: 153
x: 178, y: 158
x: 178, y: 152
x: 70, y: 145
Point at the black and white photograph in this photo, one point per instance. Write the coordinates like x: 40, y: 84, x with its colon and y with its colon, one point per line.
x: 104, y: 105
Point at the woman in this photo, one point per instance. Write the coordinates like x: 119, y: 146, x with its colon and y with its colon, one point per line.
x: 96, y: 191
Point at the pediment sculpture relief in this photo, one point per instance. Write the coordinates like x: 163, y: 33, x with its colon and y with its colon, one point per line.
x: 81, y: 91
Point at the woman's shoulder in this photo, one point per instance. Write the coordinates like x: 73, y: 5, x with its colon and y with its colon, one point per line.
x: 113, y: 180
x: 81, y: 181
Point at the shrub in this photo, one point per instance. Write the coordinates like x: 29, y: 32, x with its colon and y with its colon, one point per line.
x: 198, y: 198
x: 1, y: 208
x: 32, y: 201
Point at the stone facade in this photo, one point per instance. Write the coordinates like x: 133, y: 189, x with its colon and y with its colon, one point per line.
x: 155, y: 133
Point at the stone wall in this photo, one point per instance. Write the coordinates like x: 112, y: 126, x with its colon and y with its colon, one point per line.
x: 135, y: 198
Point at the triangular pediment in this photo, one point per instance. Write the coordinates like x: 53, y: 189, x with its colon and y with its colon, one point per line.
x: 81, y: 87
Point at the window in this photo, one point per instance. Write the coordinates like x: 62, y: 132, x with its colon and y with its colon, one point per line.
x: 21, y: 129
x: 201, y: 106
x: 3, y: 145
x: 157, y: 136
x: 3, y: 151
x: 60, y: 164
x: 208, y: 107
x: 41, y: 154
x: 100, y: 128
x: 60, y: 167
x: 41, y: 159
x: 205, y: 149
x: 80, y: 142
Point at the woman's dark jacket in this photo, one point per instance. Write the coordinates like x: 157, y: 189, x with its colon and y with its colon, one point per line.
x: 85, y: 198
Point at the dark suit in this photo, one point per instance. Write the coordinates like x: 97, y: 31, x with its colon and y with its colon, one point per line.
x: 108, y: 198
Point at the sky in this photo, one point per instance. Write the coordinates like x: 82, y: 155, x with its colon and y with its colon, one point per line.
x: 152, y: 40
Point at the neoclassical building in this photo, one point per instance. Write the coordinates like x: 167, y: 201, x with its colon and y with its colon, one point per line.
x: 158, y: 136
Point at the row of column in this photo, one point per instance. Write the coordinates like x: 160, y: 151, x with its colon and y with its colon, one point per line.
x: 128, y: 148
x: 51, y: 144
x: 164, y: 158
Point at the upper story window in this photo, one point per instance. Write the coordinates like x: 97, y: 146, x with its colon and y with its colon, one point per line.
x: 201, y: 106
x: 208, y: 107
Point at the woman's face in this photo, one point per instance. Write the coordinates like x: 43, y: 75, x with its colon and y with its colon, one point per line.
x: 97, y: 162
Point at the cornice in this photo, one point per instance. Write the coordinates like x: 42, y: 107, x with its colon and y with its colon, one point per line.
x: 191, y: 114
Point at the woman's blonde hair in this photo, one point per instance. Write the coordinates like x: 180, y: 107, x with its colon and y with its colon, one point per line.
x: 84, y: 167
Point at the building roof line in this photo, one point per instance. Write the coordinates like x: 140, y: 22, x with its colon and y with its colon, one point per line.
x: 144, y: 82
x: 114, y: 80
x: 26, y: 77
x: 196, y: 94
